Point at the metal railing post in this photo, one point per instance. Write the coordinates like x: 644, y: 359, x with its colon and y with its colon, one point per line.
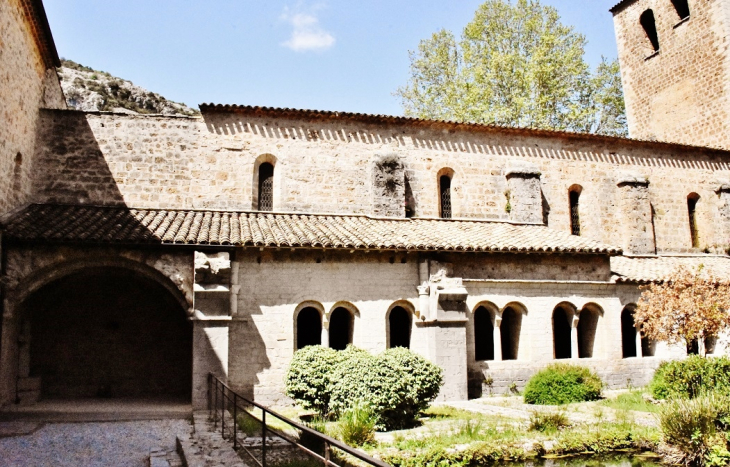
x: 235, y: 420
x: 223, y: 407
x: 215, y: 406
x: 326, y: 453
x: 263, y: 438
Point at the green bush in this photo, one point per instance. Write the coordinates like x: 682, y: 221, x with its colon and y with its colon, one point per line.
x: 697, y: 427
x: 397, y: 384
x: 691, y: 377
x: 561, y: 383
x: 356, y: 425
x: 308, y: 378
x: 548, y: 422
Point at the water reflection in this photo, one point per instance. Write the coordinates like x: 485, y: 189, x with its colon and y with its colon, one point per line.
x: 593, y: 461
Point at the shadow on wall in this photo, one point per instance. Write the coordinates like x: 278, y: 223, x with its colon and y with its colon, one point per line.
x: 487, y: 141
x: 70, y: 166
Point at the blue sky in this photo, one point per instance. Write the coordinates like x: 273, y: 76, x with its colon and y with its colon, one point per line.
x: 329, y: 55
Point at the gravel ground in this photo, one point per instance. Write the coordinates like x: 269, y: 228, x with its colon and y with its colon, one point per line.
x: 119, y: 444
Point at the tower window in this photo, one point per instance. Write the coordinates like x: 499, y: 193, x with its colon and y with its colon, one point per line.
x: 266, y: 187
x: 574, y: 195
x: 692, y: 211
x: 445, y: 191
x: 649, y: 24
x: 682, y: 8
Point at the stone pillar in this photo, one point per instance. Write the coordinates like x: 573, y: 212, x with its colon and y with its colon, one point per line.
x: 636, y: 216
x: 210, y: 355
x: 723, y: 192
x: 498, y: 337
x: 639, y: 350
x: 235, y: 288
x: 574, y: 336
x: 215, y: 301
x: 8, y: 357
x: 524, y: 193
x: 389, y: 186
x: 325, y: 331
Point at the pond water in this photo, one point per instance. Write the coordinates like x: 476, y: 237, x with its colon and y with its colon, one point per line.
x: 615, y: 460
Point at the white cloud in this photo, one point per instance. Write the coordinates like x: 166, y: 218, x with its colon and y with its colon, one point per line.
x: 306, y: 33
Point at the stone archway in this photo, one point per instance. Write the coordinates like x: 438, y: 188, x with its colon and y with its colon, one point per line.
x: 106, y: 332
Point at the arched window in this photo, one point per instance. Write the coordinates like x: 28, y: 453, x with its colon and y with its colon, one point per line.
x: 649, y: 24
x: 628, y: 333
x: 573, y: 196
x: 682, y: 8
x: 445, y: 193
x: 561, y: 333
x: 309, y: 328
x: 341, y: 327
x: 692, y: 200
x: 483, y: 335
x: 266, y: 187
x: 399, y: 321
x: 510, y: 333
x: 587, y: 325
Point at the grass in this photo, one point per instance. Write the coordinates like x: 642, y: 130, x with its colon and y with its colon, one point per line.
x: 633, y: 400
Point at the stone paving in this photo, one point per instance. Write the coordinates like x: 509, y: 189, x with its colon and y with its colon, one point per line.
x: 119, y: 444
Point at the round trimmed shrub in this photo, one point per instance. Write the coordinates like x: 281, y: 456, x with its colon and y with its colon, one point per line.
x: 562, y: 383
x: 397, y: 385
x: 308, y: 378
x: 691, y: 377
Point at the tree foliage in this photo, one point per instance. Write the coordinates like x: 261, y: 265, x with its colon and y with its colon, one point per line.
x: 689, y: 305
x: 517, y: 65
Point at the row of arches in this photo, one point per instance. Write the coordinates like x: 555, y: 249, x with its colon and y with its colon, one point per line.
x: 497, y: 333
x: 336, y: 329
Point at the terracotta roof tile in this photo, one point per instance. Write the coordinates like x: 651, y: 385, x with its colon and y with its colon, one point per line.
x: 105, y: 224
x: 643, y: 269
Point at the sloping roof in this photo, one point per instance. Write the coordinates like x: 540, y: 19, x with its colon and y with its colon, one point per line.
x: 327, y: 115
x: 620, y: 4
x: 643, y: 269
x: 36, y: 15
x: 95, y: 224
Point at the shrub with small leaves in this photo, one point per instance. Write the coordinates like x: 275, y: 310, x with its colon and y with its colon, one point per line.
x: 308, y: 379
x: 691, y: 377
x: 561, y: 383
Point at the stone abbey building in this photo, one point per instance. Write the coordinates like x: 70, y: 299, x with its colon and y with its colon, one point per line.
x: 141, y: 252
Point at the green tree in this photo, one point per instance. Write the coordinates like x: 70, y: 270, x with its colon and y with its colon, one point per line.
x: 515, y: 65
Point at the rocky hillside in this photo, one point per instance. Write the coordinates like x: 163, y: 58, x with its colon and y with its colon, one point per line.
x: 89, y: 89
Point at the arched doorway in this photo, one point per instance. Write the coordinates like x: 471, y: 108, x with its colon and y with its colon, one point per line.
x: 399, y: 322
x: 108, y: 332
x: 587, y: 326
x: 341, y: 327
x: 483, y: 335
x: 562, y: 346
x: 309, y: 327
x: 628, y: 333
x: 510, y: 333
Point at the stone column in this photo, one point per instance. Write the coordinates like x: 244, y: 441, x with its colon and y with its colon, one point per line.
x: 639, y: 351
x: 525, y: 193
x: 325, y: 331
x: 498, y: 337
x: 574, y: 335
x: 235, y: 287
x: 636, y: 217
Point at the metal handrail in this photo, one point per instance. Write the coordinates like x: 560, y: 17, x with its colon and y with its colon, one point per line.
x: 216, y: 386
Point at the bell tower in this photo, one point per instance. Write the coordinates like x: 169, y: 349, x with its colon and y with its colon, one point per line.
x: 675, y: 69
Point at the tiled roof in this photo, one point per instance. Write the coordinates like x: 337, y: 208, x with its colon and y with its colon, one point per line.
x: 328, y: 115
x: 36, y: 15
x: 620, y: 4
x: 94, y: 224
x: 644, y: 269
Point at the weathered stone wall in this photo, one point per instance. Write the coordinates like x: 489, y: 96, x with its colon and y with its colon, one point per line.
x: 679, y: 94
x: 275, y: 285
x: 25, y: 86
x: 328, y: 167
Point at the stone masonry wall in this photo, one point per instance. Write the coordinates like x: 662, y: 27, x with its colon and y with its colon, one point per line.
x: 25, y: 86
x: 276, y: 284
x: 166, y: 162
x: 679, y: 94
